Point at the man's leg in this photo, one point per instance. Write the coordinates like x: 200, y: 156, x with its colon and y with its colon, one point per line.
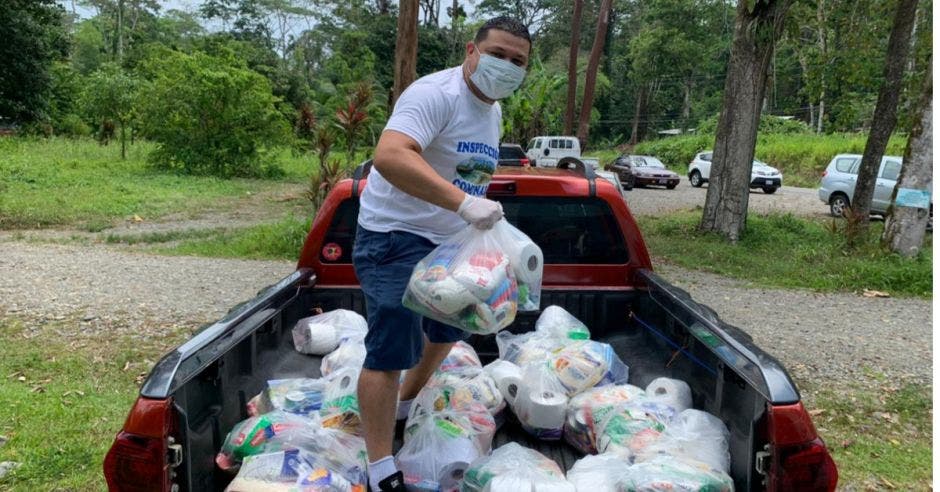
x: 417, y: 376
x: 378, y: 397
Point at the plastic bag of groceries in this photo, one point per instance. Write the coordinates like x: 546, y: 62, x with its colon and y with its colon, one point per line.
x: 297, y: 470
x: 630, y: 428
x: 598, y: 473
x: 512, y: 468
x: 440, y: 445
x: 470, y: 415
x: 693, y: 436
x: 460, y: 355
x: 665, y: 473
x: 269, y: 432
x: 321, y: 334
x: 527, y: 262
x: 468, y: 384
x: 557, y: 322
x: 350, y: 354
x: 540, y: 402
x: 301, y: 396
x: 583, y: 364
x: 340, y: 409
x: 587, y: 410
x: 469, y: 281
x: 527, y: 347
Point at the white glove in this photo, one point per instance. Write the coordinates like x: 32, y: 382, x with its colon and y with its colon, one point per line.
x: 480, y: 212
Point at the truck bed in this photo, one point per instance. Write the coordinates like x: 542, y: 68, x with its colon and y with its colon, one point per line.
x: 213, y: 382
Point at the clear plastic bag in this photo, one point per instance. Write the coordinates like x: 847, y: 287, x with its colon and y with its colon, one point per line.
x: 460, y: 356
x: 321, y: 334
x: 527, y: 262
x: 540, y: 402
x: 468, y: 384
x: 527, y: 348
x: 556, y: 322
x: 297, y: 470
x: 468, y: 282
x: 350, y: 355
x: 664, y: 473
x: 630, y: 428
x: 301, y: 396
x: 340, y: 408
x: 587, y: 410
x: 471, y: 416
x: 583, y: 364
x: 512, y: 468
x: 598, y: 473
x: 269, y: 432
x: 693, y: 436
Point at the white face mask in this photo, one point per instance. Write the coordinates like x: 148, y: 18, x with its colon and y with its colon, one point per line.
x: 496, y: 79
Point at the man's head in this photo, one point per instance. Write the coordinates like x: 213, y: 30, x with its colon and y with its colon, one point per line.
x: 502, y: 39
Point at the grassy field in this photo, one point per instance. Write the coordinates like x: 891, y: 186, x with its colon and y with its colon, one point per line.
x: 786, y: 251
x: 78, y: 183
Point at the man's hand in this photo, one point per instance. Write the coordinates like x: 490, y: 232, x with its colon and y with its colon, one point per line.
x: 480, y: 212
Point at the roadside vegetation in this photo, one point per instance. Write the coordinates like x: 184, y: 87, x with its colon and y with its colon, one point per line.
x: 782, y: 250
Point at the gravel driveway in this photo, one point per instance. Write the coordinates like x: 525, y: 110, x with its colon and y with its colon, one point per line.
x: 654, y: 201
x: 838, y: 337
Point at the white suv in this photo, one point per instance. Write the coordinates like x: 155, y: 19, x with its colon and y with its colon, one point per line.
x: 763, y: 176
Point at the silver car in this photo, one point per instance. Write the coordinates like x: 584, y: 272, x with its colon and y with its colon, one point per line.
x: 838, y: 183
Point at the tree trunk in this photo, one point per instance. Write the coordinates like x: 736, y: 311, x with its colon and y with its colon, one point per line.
x: 906, y: 226
x: 123, y: 142
x: 823, y: 44
x: 406, y: 47
x: 756, y: 29
x: 686, y: 104
x: 603, y: 17
x: 120, y: 31
x: 822, y: 110
x: 639, y: 110
x: 885, y: 117
x: 573, y: 65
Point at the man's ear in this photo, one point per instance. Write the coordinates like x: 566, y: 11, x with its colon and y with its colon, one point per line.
x: 470, y: 47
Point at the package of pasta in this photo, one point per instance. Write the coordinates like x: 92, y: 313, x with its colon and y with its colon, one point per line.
x: 322, y: 334
x: 469, y: 281
x: 587, y: 410
x: 512, y: 468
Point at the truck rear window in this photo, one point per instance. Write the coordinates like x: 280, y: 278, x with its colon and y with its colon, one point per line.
x: 573, y: 230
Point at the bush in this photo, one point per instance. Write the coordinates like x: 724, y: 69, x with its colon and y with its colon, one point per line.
x: 768, y: 124
x: 676, y: 152
x: 71, y: 125
x: 211, y: 115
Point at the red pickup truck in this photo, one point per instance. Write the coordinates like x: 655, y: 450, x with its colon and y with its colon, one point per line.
x: 596, y: 267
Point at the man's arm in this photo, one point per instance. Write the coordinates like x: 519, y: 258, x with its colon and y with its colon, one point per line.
x: 398, y: 158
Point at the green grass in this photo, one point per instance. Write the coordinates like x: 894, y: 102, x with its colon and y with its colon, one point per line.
x: 280, y: 240
x: 879, y: 437
x: 786, y: 251
x: 801, y: 158
x: 74, y: 395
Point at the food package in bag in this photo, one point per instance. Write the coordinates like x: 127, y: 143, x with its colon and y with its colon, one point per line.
x: 598, y: 473
x: 322, y: 334
x: 583, y: 364
x: 301, y: 396
x: 631, y: 427
x: 269, y: 432
x: 526, y: 348
x: 664, y: 473
x: 471, y: 416
x: 468, y: 282
x: 298, y: 470
x: 555, y: 321
x: 540, y: 402
x: 461, y: 355
x: 513, y: 468
x: 694, y: 435
x: 350, y: 354
x: 468, y: 384
x: 340, y: 409
x: 587, y: 410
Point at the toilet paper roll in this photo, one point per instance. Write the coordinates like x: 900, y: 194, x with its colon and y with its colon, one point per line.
x: 320, y: 339
x: 452, y: 476
x: 673, y: 392
x: 527, y: 262
x: 446, y: 296
x: 545, y: 410
x: 508, y: 377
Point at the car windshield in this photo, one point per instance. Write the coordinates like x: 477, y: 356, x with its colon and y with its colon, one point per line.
x: 506, y: 152
x: 651, y: 162
x: 758, y: 163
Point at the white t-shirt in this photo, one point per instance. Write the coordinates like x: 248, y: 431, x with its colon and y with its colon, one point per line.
x: 459, y: 137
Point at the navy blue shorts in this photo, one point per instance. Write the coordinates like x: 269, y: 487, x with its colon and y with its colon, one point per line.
x: 384, y: 262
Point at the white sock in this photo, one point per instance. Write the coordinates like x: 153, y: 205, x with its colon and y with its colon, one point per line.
x: 381, y: 469
x: 404, y: 406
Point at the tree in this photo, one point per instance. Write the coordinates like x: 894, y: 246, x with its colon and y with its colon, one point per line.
x: 33, y: 37
x: 885, y: 116
x: 406, y: 47
x: 603, y: 17
x: 758, y: 25
x: 529, y: 12
x: 210, y: 115
x: 110, y: 95
x: 905, y: 226
x: 573, y: 65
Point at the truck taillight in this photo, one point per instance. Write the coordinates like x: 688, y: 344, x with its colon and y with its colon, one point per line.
x: 800, y: 460
x: 139, y: 457
x: 524, y: 162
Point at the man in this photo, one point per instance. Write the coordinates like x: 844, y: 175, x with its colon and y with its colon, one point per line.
x: 432, y: 166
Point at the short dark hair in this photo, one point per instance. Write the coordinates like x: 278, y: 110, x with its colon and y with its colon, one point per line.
x: 503, y: 23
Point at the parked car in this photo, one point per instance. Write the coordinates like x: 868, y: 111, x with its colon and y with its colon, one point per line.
x: 643, y: 170
x: 547, y: 151
x: 837, y: 188
x: 763, y: 176
x: 512, y: 155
